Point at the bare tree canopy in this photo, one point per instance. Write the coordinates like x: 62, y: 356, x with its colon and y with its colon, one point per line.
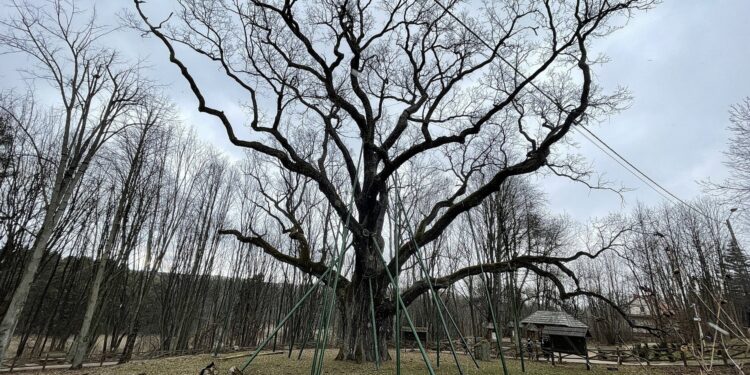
x: 737, y: 186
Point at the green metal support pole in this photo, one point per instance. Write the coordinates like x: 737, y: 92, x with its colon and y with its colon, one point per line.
x: 422, y: 350
x: 427, y: 277
x: 308, y: 331
x: 396, y: 243
x: 517, y: 330
x: 339, y: 261
x: 437, y: 346
x: 319, y: 332
x: 463, y: 339
x: 332, y: 297
x: 336, y: 260
x: 283, y: 320
x: 374, y: 328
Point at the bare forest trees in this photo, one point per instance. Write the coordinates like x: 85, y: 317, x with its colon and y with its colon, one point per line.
x: 95, y: 95
x: 681, y: 266
x: 468, y: 95
x: 141, y: 225
x: 132, y: 199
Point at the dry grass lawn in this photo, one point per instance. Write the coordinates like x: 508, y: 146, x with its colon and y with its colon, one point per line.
x: 411, y: 364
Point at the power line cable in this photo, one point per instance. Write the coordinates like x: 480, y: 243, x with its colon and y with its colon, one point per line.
x: 634, y: 167
x: 624, y: 166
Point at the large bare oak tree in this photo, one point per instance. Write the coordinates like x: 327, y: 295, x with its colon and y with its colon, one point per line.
x: 485, y: 91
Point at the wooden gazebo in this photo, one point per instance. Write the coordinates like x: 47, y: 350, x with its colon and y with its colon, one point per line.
x: 558, y: 332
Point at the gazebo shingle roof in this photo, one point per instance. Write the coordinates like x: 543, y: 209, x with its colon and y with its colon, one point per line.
x: 553, y: 318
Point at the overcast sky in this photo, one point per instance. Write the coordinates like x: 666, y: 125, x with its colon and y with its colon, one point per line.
x: 685, y: 62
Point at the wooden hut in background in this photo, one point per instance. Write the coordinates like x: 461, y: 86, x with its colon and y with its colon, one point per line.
x: 558, y: 332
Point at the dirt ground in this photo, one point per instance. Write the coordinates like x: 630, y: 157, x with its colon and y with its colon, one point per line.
x: 411, y: 364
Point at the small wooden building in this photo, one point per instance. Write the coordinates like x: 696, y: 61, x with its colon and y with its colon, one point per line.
x: 408, y: 336
x: 558, y: 332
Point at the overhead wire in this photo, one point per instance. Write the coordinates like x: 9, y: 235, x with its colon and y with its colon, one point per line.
x: 640, y: 172
x: 624, y: 166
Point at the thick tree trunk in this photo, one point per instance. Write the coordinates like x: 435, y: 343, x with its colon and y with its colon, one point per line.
x: 27, y: 331
x: 357, y: 343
